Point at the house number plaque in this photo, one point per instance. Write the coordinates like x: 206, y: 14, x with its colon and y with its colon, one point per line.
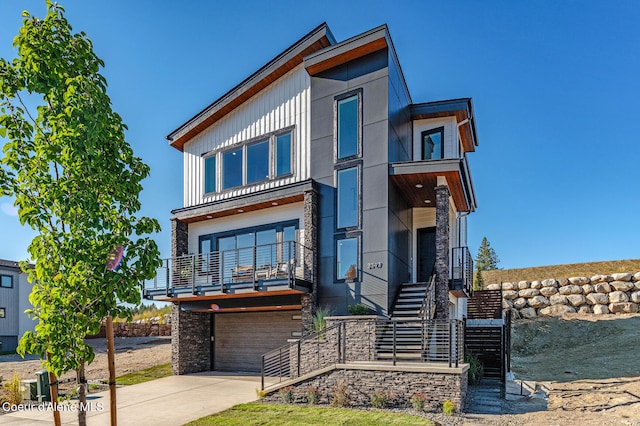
x: 375, y: 265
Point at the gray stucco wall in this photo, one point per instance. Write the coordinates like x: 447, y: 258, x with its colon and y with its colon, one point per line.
x: 369, y: 74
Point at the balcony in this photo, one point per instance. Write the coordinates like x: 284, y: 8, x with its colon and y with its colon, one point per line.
x: 461, y: 283
x: 281, y: 266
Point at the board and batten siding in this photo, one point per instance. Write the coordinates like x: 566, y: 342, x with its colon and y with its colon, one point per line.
x: 285, y: 103
x: 451, y: 144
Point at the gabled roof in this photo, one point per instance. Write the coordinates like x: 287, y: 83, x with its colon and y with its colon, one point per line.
x: 461, y: 108
x: 315, y: 40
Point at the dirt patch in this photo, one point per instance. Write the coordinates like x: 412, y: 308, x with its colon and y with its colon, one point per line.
x: 132, y: 354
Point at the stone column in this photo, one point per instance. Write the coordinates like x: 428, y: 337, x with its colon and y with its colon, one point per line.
x: 442, y: 252
x: 310, y: 257
x: 190, y: 341
x: 179, y: 238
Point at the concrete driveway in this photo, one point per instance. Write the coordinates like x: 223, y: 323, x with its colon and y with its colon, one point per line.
x: 169, y: 401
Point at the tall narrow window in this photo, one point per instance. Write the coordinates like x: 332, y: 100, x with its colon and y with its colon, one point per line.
x: 258, y: 162
x: 347, y: 259
x: 347, y: 183
x: 347, y: 127
x: 432, y: 146
x: 283, y: 154
x: 210, y: 174
x: 232, y: 168
x: 6, y: 281
x: 3, y: 313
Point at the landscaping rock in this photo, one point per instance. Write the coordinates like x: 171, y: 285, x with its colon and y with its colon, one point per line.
x: 622, y: 285
x: 587, y: 288
x: 635, y: 297
x: 600, y: 309
x: 597, y: 299
x: 636, y: 276
x: 622, y: 276
x: 509, y: 294
x: 523, y: 284
x: 528, y: 293
x: 493, y: 287
x: 579, y: 280
x: 507, y: 304
x: 509, y: 286
x: 538, y: 302
x: 584, y: 309
x: 576, y: 299
x: 548, y: 291
x: 617, y: 297
x: 558, y: 299
x: 557, y: 310
x: 627, y: 307
x: 550, y: 283
x: 528, y: 313
x: 570, y: 289
x: 520, y: 303
x: 600, y: 279
x: 602, y: 288
x: 536, y: 284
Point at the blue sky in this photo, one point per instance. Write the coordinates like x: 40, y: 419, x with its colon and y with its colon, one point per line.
x: 554, y: 85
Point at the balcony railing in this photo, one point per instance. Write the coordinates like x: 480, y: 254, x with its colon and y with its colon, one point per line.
x: 462, y: 270
x: 228, y: 271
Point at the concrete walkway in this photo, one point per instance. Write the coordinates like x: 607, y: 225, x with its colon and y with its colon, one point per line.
x: 169, y: 401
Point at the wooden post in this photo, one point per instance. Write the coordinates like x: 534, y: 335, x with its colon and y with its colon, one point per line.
x: 112, y: 370
x: 53, y: 389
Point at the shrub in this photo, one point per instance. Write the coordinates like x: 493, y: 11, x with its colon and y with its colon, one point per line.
x: 448, y: 408
x: 13, y: 388
x: 358, y: 309
x: 319, y: 319
x: 419, y: 401
x: 476, y: 370
x: 260, y: 394
x: 313, y: 396
x: 341, y: 396
x: 380, y: 399
x: 286, y: 394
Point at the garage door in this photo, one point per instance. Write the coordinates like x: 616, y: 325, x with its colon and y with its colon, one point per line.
x: 241, y: 338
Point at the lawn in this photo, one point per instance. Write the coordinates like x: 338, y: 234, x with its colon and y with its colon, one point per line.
x: 145, y: 375
x: 294, y: 415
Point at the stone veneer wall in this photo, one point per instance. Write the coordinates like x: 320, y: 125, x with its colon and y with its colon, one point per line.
x: 309, y: 301
x: 599, y: 294
x: 190, y: 340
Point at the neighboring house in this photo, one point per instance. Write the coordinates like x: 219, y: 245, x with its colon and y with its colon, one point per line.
x: 315, y: 182
x: 14, y: 300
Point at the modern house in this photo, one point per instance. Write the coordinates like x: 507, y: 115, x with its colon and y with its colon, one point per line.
x: 14, y: 300
x: 315, y: 182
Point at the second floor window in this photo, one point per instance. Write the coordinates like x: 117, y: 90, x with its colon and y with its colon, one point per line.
x: 232, y: 169
x: 347, y: 198
x: 6, y: 281
x: 258, y: 161
x: 347, y: 127
x: 432, y: 146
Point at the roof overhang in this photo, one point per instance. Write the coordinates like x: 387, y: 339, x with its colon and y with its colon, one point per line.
x: 243, y: 302
x: 417, y: 181
x: 245, y: 203
x: 317, y: 39
x: 461, y: 109
x: 348, y: 50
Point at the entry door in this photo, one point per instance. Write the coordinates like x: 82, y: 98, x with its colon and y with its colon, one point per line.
x: 426, y: 253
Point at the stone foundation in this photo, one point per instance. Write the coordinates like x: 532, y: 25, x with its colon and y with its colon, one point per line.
x: 190, y: 341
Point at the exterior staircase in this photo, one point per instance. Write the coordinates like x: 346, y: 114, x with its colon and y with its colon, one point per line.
x: 412, y: 306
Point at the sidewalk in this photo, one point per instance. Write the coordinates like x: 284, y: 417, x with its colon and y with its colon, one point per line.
x: 169, y: 401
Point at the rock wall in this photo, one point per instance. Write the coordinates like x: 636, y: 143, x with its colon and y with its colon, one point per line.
x: 598, y: 295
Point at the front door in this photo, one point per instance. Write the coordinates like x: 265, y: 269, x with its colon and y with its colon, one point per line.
x: 426, y: 253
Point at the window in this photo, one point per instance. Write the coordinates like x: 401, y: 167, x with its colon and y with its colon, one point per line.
x: 258, y: 162
x: 3, y: 313
x: 283, y: 154
x: 347, y: 259
x: 232, y: 169
x: 432, y: 146
x: 347, y: 194
x: 6, y: 281
x: 210, y: 174
x: 347, y: 127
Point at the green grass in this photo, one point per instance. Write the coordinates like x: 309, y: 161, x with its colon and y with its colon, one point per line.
x: 294, y: 415
x: 145, y: 375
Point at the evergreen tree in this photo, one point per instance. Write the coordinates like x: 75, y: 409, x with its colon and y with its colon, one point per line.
x: 486, y: 260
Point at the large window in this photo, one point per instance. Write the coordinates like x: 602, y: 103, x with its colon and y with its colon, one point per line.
x: 283, y: 154
x: 347, y: 259
x: 347, y: 194
x: 347, y: 127
x: 6, y: 281
x: 257, y: 162
x: 232, y: 169
x: 432, y: 146
x: 210, y: 174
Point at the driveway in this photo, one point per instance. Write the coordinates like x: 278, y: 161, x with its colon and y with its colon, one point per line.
x: 169, y: 401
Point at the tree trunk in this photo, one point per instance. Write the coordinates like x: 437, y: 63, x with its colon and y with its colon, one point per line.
x: 82, y: 395
x: 53, y: 389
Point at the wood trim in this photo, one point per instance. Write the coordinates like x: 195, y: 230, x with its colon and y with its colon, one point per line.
x: 253, y: 309
x: 244, y: 208
x: 347, y: 56
x: 234, y: 296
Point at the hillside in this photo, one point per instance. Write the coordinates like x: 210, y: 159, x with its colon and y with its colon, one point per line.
x: 587, y: 269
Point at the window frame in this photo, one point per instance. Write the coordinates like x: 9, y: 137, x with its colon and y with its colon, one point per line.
x: 2, y: 276
x: 342, y: 167
x: 245, y: 163
x: 216, y: 180
x: 336, y: 143
x: 348, y: 236
x: 274, y: 152
x: 3, y: 313
x: 431, y: 132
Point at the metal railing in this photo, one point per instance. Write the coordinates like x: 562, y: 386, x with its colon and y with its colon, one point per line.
x: 369, y: 340
x: 242, y: 268
x: 462, y: 270
x: 428, y: 307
